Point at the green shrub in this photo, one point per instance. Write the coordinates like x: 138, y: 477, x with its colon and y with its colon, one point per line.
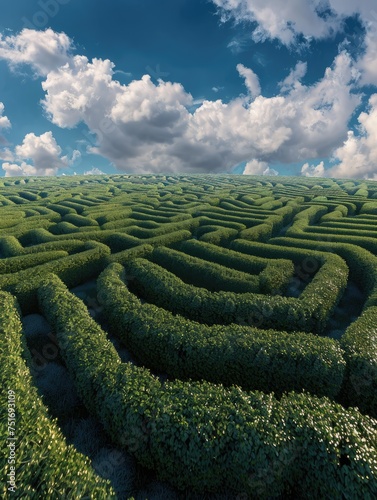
x: 248, y: 357
x: 204, y: 274
x: 359, y: 344
x: 369, y: 208
x: 206, y: 437
x: 20, y: 262
x: 73, y: 270
x: 60, y: 209
x: 228, y: 258
x: 323, y: 293
x: 131, y: 253
x: 45, y: 466
x: 80, y: 221
x: 219, y: 235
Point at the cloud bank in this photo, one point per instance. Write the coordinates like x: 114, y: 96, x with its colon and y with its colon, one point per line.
x: 146, y: 127
x: 37, y: 155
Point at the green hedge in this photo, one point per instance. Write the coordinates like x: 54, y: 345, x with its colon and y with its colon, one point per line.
x: 80, y: 220
x: 360, y: 346
x: 369, y: 207
x: 166, y: 290
x: 73, y: 270
x: 18, y: 263
x: 60, y: 209
x: 362, y: 264
x: 125, y: 255
x: 110, y: 214
x: 11, y: 247
x: 206, y: 437
x: 168, y: 239
x: 367, y: 243
x: 218, y: 235
x: 45, y: 466
x: 207, y: 221
x: 202, y: 273
x: 228, y: 258
x: 248, y: 357
x: 323, y: 293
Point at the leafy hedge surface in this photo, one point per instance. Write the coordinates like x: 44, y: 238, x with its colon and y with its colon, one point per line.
x: 360, y: 346
x: 208, y: 437
x: 254, y: 359
x: 203, y: 273
x: 73, y: 269
x: 323, y: 293
x: 274, y: 274
x: 46, y: 467
x: 18, y: 263
x: 11, y: 247
x: 362, y: 264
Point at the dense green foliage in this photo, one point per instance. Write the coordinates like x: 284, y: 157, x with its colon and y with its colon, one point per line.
x: 220, y: 285
x: 45, y: 466
x: 203, y: 436
x: 241, y: 355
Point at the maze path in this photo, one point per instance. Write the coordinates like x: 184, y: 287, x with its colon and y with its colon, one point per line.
x: 296, y: 240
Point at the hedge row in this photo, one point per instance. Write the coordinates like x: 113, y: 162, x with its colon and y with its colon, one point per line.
x: 11, y: 247
x: 228, y: 258
x: 362, y: 264
x: 272, y: 225
x: 205, y: 221
x: 370, y: 226
x: 297, y: 231
x: 166, y: 290
x: 73, y: 270
x: 45, y: 466
x: 206, y: 437
x: 118, y: 213
x: 202, y: 273
x: 163, y: 229
x: 323, y: 293
x: 360, y: 347
x: 225, y: 215
x: 115, y: 240
x: 339, y: 231
x: 60, y: 209
x: 80, y: 220
x: 18, y: 263
x: 218, y: 236
x: 257, y: 212
x: 240, y: 355
x: 125, y: 255
x: 21, y: 229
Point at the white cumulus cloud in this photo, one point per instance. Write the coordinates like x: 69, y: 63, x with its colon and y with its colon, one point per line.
x: 313, y: 170
x: 4, y: 120
x: 357, y: 156
x: 251, y: 80
x: 152, y: 127
x: 42, y: 152
x: 94, y: 171
x: 256, y: 167
x: 44, y: 51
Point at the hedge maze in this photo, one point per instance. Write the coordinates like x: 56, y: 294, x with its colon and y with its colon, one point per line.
x: 189, y: 337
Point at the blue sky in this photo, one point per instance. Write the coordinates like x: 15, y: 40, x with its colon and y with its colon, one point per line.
x: 189, y: 86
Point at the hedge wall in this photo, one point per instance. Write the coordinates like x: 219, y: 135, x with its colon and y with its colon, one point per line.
x: 73, y: 270
x: 207, y: 437
x: 244, y: 356
x: 359, y: 344
x: 45, y: 466
x: 202, y: 273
